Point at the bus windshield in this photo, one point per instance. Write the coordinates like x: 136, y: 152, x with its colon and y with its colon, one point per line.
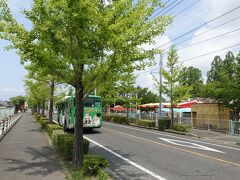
x: 92, y: 102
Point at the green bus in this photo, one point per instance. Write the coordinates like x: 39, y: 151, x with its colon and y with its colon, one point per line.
x: 92, y: 112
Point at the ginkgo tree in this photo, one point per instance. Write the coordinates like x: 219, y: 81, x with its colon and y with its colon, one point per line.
x: 171, y: 86
x: 51, y: 80
x: 91, y: 41
x: 38, y: 93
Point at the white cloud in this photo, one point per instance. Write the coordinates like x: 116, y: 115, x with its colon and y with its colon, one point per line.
x: 203, y: 12
x: 217, y: 9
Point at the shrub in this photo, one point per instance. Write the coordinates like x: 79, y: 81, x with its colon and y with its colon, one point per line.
x: 164, y: 123
x: 55, y: 135
x: 43, y: 123
x: 146, y: 123
x: 181, y: 127
x: 51, y: 127
x: 85, y: 146
x: 37, y: 116
x: 107, y: 118
x: 132, y: 120
x: 93, y: 164
x: 102, y: 175
x: 76, y: 174
x: 120, y: 120
x: 63, y: 143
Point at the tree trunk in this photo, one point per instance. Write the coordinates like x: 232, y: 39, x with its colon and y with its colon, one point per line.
x: 171, y: 99
x: 34, y: 109
x: 38, y: 108
x: 43, y: 107
x: 172, y: 114
x: 78, y: 127
x: 237, y: 115
x: 50, y: 115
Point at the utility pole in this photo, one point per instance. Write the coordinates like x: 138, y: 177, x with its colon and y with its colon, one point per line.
x: 160, y: 86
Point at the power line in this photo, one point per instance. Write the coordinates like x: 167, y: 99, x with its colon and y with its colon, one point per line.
x: 172, y: 7
x: 214, y: 37
x: 201, y: 26
x: 167, y: 2
x: 202, y: 55
x: 182, y: 11
x: 160, y: 7
x: 204, y: 32
x: 163, y: 10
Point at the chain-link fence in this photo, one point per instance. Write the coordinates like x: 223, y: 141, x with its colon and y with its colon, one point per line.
x: 234, y: 127
x: 216, y: 124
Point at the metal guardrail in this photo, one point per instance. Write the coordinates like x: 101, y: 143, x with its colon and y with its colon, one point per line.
x: 6, y: 124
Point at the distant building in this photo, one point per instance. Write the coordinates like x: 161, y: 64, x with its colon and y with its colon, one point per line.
x: 210, y: 115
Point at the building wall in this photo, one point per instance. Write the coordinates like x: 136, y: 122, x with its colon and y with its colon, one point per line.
x: 211, y: 115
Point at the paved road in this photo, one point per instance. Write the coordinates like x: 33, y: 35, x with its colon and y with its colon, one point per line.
x: 136, y: 153
x: 25, y: 154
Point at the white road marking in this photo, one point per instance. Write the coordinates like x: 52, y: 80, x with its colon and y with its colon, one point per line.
x: 189, y: 144
x: 138, y: 129
x: 127, y: 160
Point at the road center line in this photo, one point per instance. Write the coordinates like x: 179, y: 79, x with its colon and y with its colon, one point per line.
x: 173, y: 147
x: 126, y: 127
x: 127, y: 160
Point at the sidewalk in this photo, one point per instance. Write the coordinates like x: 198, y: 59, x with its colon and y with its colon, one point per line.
x: 25, y: 153
x: 211, y: 136
x: 218, y: 137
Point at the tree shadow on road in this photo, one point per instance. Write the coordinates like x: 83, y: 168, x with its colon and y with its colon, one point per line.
x: 41, y: 161
x: 35, y: 130
x: 119, y: 169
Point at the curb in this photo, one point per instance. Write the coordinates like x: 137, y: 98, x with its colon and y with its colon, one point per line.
x: 5, y: 133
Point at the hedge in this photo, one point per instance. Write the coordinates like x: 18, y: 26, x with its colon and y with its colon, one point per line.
x: 54, y: 136
x: 181, y: 127
x: 93, y: 164
x: 43, y: 122
x: 164, y: 123
x: 52, y: 127
x: 146, y: 123
x: 37, y: 116
x: 63, y: 143
x: 119, y: 119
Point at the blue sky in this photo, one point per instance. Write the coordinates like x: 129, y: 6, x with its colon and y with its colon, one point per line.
x: 12, y: 73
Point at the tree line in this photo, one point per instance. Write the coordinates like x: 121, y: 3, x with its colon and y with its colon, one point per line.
x: 222, y: 83
x: 85, y: 44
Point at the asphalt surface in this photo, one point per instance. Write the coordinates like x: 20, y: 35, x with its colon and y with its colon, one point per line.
x: 136, y: 153
x: 25, y: 153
